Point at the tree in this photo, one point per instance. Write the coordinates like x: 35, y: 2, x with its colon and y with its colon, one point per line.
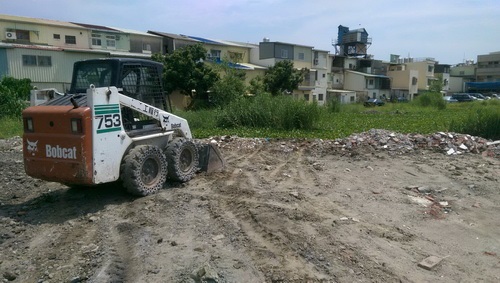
x: 282, y: 77
x: 436, y: 84
x: 14, y: 93
x: 184, y: 70
x: 230, y: 87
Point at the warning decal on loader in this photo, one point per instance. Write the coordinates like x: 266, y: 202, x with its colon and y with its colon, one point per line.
x: 108, y: 118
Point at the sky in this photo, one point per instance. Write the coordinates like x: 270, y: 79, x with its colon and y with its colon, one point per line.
x: 451, y: 31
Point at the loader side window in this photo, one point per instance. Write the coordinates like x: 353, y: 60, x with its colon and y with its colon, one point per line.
x: 142, y: 83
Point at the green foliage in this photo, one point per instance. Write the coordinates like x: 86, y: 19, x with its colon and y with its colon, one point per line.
x: 184, y: 70
x: 10, y: 127
x: 436, y: 84
x: 483, y: 120
x: 14, y: 94
x: 282, y: 77
x: 265, y: 111
x: 431, y: 99
x: 256, y: 86
x: 333, y: 105
x: 229, y: 87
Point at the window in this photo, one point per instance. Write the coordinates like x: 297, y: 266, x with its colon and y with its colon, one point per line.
x: 44, y: 61
x: 430, y: 68
x: 370, y: 82
x: 96, y: 42
x: 96, y: 39
x: 57, y: 36
x: 214, y: 54
x: 414, y: 80
x: 324, y: 75
x: 70, y: 39
x: 146, y: 48
x: 301, y: 56
x: 23, y: 35
x: 29, y: 60
x: 306, y: 96
x: 352, y: 99
x: 32, y: 60
x: 284, y: 53
x: 320, y: 97
x: 111, y: 41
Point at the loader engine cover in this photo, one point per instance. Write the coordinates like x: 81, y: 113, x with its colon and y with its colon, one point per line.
x: 55, y: 147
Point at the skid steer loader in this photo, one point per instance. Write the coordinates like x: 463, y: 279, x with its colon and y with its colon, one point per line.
x: 115, y: 124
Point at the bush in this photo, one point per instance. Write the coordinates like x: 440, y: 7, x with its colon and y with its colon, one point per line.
x: 483, y: 122
x: 333, y: 105
x: 431, y: 99
x: 266, y: 111
x: 13, y: 96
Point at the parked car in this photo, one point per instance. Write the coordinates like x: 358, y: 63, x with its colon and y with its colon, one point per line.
x: 495, y: 96
x: 478, y: 96
x: 402, y: 99
x: 462, y: 97
x: 449, y: 99
x: 374, y: 102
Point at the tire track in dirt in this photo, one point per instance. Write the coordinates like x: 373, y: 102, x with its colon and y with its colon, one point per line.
x: 297, y: 198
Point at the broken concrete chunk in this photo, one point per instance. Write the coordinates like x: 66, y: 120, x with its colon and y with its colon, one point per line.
x: 430, y: 262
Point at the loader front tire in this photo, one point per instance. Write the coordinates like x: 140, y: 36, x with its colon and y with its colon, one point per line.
x: 144, y: 170
x: 183, y: 159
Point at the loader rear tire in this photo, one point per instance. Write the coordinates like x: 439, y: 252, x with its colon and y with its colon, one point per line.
x: 144, y: 170
x: 183, y: 159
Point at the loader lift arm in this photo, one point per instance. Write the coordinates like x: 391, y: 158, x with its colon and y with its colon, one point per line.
x: 167, y: 120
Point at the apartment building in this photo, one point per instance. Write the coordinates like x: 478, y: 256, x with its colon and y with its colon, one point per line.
x: 45, y: 50
x: 488, y: 67
x: 353, y: 79
x: 315, y: 83
x: 411, y: 75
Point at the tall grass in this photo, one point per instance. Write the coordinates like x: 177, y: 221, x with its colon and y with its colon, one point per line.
x: 483, y: 120
x: 266, y: 111
x: 10, y: 127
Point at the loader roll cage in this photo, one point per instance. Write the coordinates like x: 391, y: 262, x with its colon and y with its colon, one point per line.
x: 136, y: 78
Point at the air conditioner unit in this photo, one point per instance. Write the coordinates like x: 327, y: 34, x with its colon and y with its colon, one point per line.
x: 10, y: 35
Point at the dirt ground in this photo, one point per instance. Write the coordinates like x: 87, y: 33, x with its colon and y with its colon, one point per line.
x: 281, y: 211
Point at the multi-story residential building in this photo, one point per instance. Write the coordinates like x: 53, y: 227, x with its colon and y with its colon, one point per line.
x: 488, y: 67
x: 45, y: 50
x: 442, y: 72
x: 355, y: 79
x: 461, y: 74
x: 314, y: 85
x: 410, y: 75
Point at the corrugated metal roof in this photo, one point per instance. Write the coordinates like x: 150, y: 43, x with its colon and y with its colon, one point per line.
x: 174, y: 36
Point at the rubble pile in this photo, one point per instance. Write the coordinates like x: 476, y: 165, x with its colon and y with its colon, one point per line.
x: 375, y: 139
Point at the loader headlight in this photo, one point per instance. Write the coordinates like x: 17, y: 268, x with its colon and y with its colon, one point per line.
x: 76, y: 125
x: 28, y: 124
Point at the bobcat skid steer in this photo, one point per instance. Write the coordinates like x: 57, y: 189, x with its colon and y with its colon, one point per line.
x: 113, y: 126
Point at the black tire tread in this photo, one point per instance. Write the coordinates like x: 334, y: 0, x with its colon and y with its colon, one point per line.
x: 131, y: 170
x: 173, y: 154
